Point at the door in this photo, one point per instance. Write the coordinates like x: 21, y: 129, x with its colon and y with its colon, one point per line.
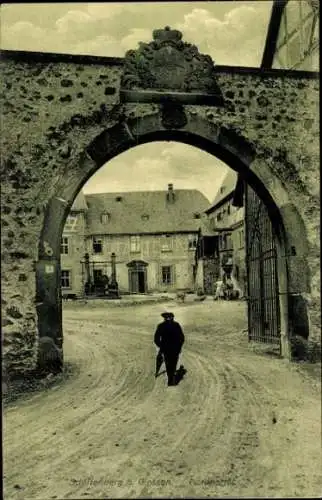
x: 262, y: 278
x: 137, y: 277
x: 141, y: 281
x: 134, y: 281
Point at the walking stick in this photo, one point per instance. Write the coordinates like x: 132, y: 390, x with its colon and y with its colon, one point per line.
x: 159, y: 361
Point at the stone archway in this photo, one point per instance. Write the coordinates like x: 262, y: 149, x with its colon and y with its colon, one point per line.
x: 84, y: 110
x: 226, y: 145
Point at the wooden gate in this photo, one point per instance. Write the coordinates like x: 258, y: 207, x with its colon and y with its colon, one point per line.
x: 262, y: 277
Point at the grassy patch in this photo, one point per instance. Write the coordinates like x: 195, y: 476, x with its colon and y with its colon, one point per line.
x: 22, y: 386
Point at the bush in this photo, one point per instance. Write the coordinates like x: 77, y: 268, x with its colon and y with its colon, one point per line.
x: 313, y: 351
x: 299, y: 348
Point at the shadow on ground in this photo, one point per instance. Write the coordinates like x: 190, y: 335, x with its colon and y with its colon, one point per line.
x: 179, y: 375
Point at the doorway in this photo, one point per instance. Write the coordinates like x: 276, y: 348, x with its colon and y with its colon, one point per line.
x: 137, y: 276
x: 141, y: 281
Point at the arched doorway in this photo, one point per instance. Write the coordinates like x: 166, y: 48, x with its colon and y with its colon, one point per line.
x: 225, y: 144
x: 137, y: 276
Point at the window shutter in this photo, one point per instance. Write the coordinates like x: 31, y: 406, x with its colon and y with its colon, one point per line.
x: 173, y: 272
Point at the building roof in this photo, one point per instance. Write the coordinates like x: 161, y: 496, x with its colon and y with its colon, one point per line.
x: 227, y: 187
x: 79, y: 203
x: 140, y: 212
x: 274, y: 29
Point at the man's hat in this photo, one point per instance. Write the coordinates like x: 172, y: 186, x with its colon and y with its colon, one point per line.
x: 167, y: 315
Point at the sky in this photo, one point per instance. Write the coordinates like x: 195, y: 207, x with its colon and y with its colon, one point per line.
x: 155, y: 165
x: 231, y: 32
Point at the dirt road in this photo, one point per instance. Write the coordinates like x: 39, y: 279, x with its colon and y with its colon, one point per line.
x: 239, y: 424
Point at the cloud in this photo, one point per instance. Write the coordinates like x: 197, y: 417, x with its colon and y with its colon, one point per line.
x: 153, y: 166
x: 73, y: 20
x: 236, y: 40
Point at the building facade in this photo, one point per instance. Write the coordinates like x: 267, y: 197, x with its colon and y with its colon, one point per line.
x: 293, y: 36
x: 221, y: 240
x: 153, y: 235
x: 207, y: 269
x: 227, y: 220
x: 73, y: 248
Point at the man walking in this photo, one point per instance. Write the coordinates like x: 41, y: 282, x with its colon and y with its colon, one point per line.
x: 169, y: 338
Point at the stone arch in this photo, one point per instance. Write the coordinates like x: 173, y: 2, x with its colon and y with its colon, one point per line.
x: 226, y: 144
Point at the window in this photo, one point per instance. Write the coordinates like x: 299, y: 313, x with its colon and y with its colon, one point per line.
x: 97, y: 245
x: 166, y: 243
x: 64, y: 245
x: 229, y: 261
x: 135, y: 243
x: 71, y: 222
x: 228, y: 209
x: 294, y: 48
x: 241, y: 238
x: 119, y: 198
x: 219, y: 216
x: 105, y: 217
x: 166, y: 277
x: 307, y: 32
x: 65, y: 279
x: 282, y: 56
x: 192, y: 241
x: 292, y: 15
x: 145, y: 217
x: 196, y: 215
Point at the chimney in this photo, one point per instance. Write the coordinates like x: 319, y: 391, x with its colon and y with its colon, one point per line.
x: 170, y: 194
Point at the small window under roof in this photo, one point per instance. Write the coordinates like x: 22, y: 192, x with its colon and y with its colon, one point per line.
x: 105, y: 217
x: 196, y: 215
x: 119, y: 198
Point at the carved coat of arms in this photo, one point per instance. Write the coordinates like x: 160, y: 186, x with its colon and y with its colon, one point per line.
x: 167, y: 64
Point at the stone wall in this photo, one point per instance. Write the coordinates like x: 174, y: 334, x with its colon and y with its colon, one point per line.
x: 53, y: 107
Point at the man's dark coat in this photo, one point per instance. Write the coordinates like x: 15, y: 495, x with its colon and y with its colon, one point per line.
x: 169, y: 337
